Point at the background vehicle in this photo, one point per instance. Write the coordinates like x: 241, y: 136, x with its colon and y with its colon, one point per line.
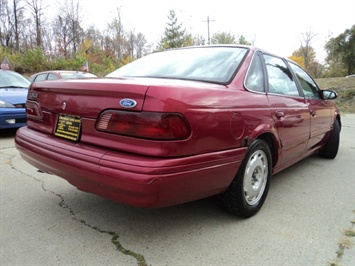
x: 181, y: 125
x: 13, y: 95
x: 60, y: 74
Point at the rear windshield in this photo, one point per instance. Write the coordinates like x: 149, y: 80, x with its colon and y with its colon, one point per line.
x: 211, y: 64
x: 77, y: 75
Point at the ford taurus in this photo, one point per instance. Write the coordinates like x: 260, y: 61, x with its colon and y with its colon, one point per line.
x: 181, y: 125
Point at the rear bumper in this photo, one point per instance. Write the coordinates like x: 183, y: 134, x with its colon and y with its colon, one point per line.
x: 135, y: 180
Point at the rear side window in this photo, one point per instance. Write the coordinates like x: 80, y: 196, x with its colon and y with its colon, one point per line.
x: 52, y: 76
x: 280, y: 78
x: 41, y: 77
x: 255, y: 77
x: 309, y: 87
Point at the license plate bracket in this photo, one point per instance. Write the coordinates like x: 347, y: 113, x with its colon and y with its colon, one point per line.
x: 68, y: 127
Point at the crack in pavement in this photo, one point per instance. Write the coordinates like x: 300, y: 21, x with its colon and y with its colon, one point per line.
x: 114, y: 236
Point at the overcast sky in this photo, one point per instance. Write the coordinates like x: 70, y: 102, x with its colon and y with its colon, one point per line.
x: 274, y: 25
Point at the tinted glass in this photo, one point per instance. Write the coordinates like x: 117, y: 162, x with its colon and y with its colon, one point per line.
x: 52, y: 76
x: 41, y: 77
x: 76, y: 75
x: 280, y: 77
x: 212, y: 64
x: 309, y: 87
x: 255, y: 77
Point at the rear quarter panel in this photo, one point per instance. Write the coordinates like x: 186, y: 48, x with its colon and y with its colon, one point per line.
x: 221, y: 117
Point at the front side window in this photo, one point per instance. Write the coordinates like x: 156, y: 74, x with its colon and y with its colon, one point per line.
x: 309, y: 87
x: 280, y: 78
x: 255, y: 78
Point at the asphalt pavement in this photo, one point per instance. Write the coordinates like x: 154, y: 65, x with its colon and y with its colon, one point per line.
x: 304, y: 221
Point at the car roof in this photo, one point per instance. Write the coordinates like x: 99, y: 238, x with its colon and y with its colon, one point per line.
x: 60, y: 71
x: 250, y: 47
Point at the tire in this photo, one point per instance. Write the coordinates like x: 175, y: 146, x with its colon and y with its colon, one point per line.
x: 331, y: 147
x: 247, y: 192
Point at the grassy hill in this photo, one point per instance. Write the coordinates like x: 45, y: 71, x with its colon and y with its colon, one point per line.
x: 345, y: 87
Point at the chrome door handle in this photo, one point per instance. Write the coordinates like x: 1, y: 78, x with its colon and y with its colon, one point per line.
x: 280, y: 114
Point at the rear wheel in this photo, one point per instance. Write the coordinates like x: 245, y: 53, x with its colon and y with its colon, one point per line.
x: 331, y: 147
x: 248, y: 191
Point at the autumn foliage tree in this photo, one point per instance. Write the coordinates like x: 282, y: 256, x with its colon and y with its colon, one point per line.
x: 34, y: 39
x: 305, y: 56
x: 33, y: 43
x: 297, y: 59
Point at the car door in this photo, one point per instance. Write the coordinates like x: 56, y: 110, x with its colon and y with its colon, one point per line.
x: 288, y: 107
x: 320, y: 110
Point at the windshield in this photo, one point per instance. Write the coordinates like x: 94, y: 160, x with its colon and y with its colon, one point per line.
x: 13, y: 80
x: 211, y: 64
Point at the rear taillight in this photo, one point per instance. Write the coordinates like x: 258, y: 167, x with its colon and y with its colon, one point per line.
x: 148, y: 125
x: 33, y: 110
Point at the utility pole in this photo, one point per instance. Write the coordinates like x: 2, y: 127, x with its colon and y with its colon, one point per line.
x: 208, y: 28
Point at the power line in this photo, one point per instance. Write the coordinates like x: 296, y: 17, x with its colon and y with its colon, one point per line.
x: 208, y: 28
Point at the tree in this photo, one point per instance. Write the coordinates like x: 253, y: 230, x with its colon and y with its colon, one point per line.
x: 17, y: 11
x: 5, y: 24
x: 228, y: 38
x: 137, y: 44
x: 199, y: 40
x: 243, y: 40
x: 302, y: 54
x: 114, y: 38
x: 72, y: 12
x: 68, y: 32
x: 223, y: 38
x: 11, y: 23
x: 306, y: 49
x: 307, y: 52
x: 341, y: 52
x: 37, y: 13
x: 316, y: 69
x: 297, y: 59
x: 175, y: 35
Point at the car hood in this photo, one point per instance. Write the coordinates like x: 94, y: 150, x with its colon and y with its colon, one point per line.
x: 14, y: 95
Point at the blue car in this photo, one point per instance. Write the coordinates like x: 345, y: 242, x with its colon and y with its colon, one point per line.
x: 13, y: 96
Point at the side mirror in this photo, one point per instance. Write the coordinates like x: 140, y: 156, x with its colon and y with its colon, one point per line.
x: 328, y: 95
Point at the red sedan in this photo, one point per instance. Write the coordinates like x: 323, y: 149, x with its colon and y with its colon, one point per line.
x: 181, y: 125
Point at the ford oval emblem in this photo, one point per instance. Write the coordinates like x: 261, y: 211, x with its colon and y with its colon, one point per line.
x: 128, y: 103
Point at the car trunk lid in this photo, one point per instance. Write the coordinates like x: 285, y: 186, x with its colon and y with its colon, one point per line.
x: 86, y: 98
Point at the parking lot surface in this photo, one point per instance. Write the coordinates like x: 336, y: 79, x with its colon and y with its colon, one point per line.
x: 46, y: 221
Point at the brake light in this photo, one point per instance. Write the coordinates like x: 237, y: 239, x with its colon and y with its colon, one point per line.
x: 33, y: 110
x: 149, y: 125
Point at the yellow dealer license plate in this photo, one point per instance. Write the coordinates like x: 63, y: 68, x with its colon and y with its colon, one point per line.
x: 68, y: 127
